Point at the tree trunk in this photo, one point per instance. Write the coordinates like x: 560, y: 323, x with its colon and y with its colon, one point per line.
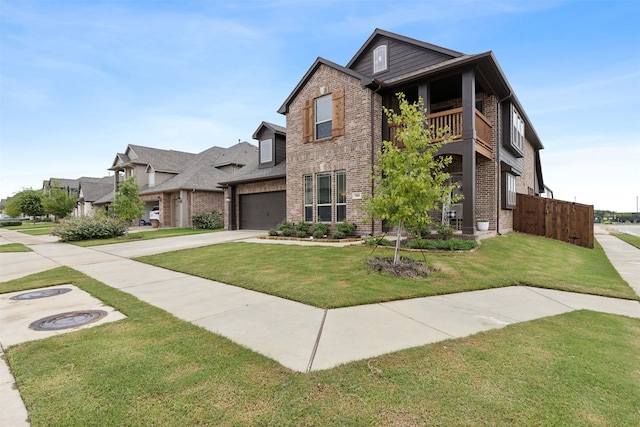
x: 396, y: 255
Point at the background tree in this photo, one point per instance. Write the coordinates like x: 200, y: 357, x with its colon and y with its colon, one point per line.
x: 127, y: 204
x: 409, y: 179
x: 57, y: 202
x: 27, y: 202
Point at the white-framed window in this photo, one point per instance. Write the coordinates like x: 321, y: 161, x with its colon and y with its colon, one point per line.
x: 509, y: 191
x: 517, y: 133
x: 341, y: 196
x: 152, y: 178
x: 323, y: 117
x: 266, y: 151
x: 308, y: 198
x: 323, y: 197
x: 380, y: 59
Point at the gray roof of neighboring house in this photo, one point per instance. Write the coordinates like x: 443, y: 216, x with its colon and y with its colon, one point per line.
x: 107, y: 198
x: 61, y: 183
x: 160, y: 160
x: 203, y: 173
x: 93, y: 189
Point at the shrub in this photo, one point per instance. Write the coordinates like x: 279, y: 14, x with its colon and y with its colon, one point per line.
x: 319, y: 230
x: 286, y: 228
x: 445, y: 231
x: 345, y: 228
x: 10, y: 223
x: 447, y: 245
x: 302, y: 228
x: 373, y: 241
x: 338, y: 235
x: 301, y: 234
x: 273, y: 232
x: 207, y: 220
x: 88, y: 228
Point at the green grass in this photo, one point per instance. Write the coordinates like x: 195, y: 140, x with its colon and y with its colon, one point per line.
x: 14, y: 247
x: 629, y: 238
x: 578, y: 369
x: 331, y: 277
x: 144, y: 235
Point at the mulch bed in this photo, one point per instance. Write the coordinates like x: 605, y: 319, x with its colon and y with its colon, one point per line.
x: 407, y: 267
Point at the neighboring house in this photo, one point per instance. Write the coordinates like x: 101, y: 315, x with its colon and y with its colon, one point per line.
x: 335, y: 126
x: 91, y: 190
x: 179, y: 183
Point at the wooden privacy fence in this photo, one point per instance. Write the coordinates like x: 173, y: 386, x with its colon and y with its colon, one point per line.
x: 556, y: 219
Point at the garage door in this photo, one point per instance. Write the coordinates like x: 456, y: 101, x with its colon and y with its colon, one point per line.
x: 262, y: 211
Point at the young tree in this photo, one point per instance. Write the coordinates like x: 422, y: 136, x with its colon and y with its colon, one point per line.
x: 410, y: 180
x: 127, y: 204
x: 57, y: 202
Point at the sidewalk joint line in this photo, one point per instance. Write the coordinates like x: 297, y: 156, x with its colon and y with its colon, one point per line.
x: 315, y: 345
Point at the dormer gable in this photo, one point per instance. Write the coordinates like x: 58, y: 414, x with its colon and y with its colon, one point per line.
x: 271, y: 144
x: 386, y: 56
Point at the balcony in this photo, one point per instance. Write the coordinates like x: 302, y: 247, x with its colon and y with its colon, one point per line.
x: 452, y: 120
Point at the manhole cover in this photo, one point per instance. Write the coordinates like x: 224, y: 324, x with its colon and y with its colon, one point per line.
x: 43, y: 293
x: 67, y: 320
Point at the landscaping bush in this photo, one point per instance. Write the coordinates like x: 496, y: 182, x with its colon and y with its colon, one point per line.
x: 88, y: 228
x: 10, y: 223
x: 373, y: 241
x: 319, y: 230
x: 447, y: 245
x: 286, y: 228
x: 345, y: 228
x: 302, y: 228
x: 273, y: 232
x: 445, y: 231
x: 208, y: 220
x: 338, y: 234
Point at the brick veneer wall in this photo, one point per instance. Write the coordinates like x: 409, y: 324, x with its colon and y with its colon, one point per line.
x: 351, y: 152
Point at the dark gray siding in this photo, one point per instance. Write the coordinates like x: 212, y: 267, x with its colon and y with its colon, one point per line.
x: 280, y: 147
x: 403, y: 58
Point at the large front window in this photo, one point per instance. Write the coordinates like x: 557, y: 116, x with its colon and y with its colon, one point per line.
x: 323, y: 117
x: 323, y: 197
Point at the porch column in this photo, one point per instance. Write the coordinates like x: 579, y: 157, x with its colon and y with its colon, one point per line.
x: 468, y: 152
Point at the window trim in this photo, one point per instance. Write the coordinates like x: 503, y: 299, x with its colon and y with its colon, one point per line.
x: 341, y: 199
x: 383, y: 52
x: 509, y: 190
x: 318, y: 122
x: 266, y: 142
x: 307, y: 184
x: 319, y: 205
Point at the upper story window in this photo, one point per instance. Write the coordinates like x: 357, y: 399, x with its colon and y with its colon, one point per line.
x: 380, y: 59
x: 517, y: 133
x: 266, y: 151
x: 323, y: 117
x: 508, y: 191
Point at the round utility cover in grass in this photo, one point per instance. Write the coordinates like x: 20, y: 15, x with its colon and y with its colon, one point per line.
x: 43, y: 293
x: 67, y: 320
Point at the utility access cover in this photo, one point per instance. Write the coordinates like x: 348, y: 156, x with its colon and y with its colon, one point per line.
x: 67, y: 320
x: 43, y: 293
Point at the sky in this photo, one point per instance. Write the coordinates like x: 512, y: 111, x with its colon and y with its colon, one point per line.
x: 80, y: 80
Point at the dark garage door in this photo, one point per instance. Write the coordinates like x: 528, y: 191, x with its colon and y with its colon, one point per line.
x: 262, y: 211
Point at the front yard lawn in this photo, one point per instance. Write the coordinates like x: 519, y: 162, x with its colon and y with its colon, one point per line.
x: 14, y: 247
x: 578, y: 369
x: 332, y: 277
x: 629, y: 238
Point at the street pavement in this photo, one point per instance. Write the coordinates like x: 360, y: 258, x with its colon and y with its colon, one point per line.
x: 300, y: 337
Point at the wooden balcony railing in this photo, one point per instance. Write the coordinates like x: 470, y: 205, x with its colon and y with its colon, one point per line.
x: 452, y: 120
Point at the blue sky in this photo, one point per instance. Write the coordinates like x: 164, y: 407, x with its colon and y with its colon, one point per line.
x: 79, y: 80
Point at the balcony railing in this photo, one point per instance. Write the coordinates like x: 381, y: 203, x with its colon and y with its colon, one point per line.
x: 452, y: 120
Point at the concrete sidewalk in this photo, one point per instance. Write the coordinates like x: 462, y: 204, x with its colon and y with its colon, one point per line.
x: 301, y: 337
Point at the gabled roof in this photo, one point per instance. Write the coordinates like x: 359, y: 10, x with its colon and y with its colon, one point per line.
x: 275, y: 128
x: 203, y: 173
x: 93, y: 189
x: 254, y: 174
x: 365, y: 81
x: 170, y: 161
x: 418, y: 43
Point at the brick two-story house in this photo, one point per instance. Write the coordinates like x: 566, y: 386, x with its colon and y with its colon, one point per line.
x: 336, y: 125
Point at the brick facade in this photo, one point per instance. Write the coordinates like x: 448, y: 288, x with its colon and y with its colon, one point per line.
x: 351, y: 152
